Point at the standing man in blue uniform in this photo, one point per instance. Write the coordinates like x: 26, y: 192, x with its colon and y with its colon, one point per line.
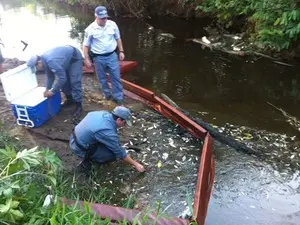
x: 65, y: 64
x: 96, y: 139
x: 101, y: 39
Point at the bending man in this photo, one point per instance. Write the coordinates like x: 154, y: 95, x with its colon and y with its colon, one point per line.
x: 96, y: 139
x: 65, y: 64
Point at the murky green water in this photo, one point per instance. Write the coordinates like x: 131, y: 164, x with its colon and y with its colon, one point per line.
x: 215, y: 86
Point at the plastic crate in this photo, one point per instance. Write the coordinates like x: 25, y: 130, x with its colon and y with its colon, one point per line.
x: 28, y: 104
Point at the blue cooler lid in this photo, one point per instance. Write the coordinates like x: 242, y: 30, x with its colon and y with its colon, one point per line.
x: 18, y: 81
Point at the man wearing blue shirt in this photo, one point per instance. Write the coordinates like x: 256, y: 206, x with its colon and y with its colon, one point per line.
x: 101, y: 39
x: 64, y: 64
x: 96, y: 139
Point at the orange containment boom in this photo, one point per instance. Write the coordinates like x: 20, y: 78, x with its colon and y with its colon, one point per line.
x: 206, y: 171
x: 125, y: 66
x: 119, y: 214
x: 205, y: 174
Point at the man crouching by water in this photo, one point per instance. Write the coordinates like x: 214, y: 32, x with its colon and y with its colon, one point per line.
x: 95, y: 138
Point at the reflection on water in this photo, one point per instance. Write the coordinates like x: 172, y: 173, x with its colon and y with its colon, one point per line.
x: 36, y: 26
x: 229, y: 89
x: 232, y: 89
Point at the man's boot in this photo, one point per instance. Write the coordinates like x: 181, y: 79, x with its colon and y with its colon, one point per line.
x: 69, y: 101
x: 118, y: 101
x: 78, y: 110
x: 85, y: 166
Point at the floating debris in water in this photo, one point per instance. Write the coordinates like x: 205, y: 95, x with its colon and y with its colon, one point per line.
x: 168, y: 35
x: 171, y: 143
x: 165, y: 156
x: 205, y: 40
x: 280, y: 149
x: 170, y: 155
x: 159, y: 164
x: 203, y: 113
x: 178, y: 162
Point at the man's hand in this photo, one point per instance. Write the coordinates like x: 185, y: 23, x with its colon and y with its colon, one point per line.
x: 121, y: 56
x: 139, y: 167
x: 48, y: 93
x: 87, y: 62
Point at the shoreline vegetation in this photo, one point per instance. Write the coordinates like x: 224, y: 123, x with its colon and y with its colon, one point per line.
x: 33, y: 182
x: 271, y: 27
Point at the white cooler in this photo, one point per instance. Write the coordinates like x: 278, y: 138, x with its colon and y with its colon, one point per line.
x: 28, y: 104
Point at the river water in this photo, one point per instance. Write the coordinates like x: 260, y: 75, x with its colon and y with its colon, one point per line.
x: 228, y: 91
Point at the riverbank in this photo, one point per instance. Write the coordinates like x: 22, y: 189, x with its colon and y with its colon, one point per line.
x: 261, y: 32
x: 170, y: 154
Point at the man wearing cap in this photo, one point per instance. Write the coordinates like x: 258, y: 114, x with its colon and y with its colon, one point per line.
x: 95, y: 138
x: 101, y: 39
x: 64, y: 64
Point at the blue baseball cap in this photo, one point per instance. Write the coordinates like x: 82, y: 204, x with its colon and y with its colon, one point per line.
x: 101, y: 12
x: 32, y: 61
x: 123, y: 113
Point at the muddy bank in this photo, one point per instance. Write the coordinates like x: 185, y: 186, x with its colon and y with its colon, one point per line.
x: 10, y: 63
x: 170, y: 154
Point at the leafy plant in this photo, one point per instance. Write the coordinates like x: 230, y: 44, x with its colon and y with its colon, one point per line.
x: 24, y: 177
x: 274, y: 24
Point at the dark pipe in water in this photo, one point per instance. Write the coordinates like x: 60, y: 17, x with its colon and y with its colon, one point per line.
x: 214, y: 132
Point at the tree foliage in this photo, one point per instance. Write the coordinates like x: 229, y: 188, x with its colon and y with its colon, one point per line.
x: 274, y: 24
